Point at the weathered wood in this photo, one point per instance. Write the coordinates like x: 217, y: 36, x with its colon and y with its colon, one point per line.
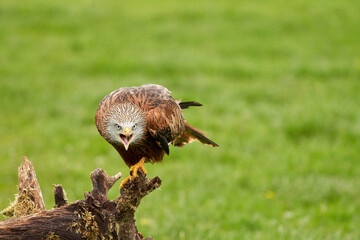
x: 29, y: 182
x: 95, y: 217
x: 29, y: 198
x: 41, y: 225
x: 60, y: 196
x: 129, y: 200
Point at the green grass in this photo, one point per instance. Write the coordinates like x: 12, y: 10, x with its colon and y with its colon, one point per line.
x: 279, y: 81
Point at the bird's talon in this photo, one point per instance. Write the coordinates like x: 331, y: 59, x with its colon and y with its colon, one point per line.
x: 125, y: 181
x: 134, y: 171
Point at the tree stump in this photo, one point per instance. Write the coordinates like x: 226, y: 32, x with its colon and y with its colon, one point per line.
x: 95, y: 217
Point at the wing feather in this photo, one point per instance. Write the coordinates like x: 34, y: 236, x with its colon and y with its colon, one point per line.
x: 165, y: 121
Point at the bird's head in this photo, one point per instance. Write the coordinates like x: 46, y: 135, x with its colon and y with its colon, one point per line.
x: 126, y: 125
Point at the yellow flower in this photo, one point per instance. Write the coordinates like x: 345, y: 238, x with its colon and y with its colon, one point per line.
x: 145, y: 221
x: 269, y: 194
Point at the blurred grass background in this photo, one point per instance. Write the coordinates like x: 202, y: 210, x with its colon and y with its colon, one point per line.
x: 279, y: 81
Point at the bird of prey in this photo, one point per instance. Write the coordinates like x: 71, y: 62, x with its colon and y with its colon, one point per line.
x: 141, y: 122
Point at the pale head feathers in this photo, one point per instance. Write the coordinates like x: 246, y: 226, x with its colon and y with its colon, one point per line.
x: 122, y: 116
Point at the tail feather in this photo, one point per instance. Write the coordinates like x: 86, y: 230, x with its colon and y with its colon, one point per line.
x: 190, y: 134
x: 185, y: 105
x: 199, y: 135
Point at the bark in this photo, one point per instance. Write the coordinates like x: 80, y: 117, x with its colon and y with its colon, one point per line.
x: 95, y: 217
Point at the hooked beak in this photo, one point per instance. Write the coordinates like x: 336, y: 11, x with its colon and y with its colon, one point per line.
x: 126, y: 138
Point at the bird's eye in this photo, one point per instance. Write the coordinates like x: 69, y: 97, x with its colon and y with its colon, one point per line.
x: 118, y: 126
x: 134, y: 127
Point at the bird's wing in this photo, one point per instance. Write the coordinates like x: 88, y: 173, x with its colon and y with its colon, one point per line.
x: 164, y: 116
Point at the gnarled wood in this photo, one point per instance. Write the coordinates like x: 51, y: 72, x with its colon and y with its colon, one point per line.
x: 29, y: 198
x: 28, y: 181
x: 95, y: 217
x: 59, y: 195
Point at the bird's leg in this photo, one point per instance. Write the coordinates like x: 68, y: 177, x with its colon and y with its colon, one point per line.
x: 134, y: 170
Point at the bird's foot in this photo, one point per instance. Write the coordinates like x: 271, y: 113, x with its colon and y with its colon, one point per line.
x: 134, y: 171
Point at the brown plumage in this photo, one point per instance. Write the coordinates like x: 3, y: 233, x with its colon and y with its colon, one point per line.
x: 140, y: 122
